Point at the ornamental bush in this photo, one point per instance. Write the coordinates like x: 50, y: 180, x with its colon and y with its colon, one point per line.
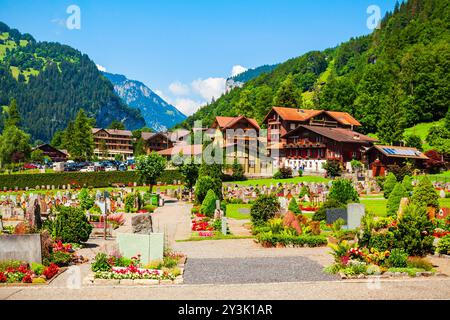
x: 342, y: 191
x: 86, y: 201
x: 425, y: 195
x: 407, y: 184
x: 284, y: 173
x: 444, y: 245
x: 389, y: 184
x: 333, y: 168
x: 70, y: 225
x: 397, y: 259
x: 414, y: 232
x: 263, y: 209
x: 395, y: 198
x: 204, y: 184
x: 209, y: 204
x: 293, y: 206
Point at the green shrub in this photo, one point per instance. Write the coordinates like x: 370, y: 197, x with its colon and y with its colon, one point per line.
x: 86, y: 201
x: 414, y: 232
x: 264, y: 209
x: 444, y: 245
x: 270, y: 239
x: 209, y: 204
x: 238, y: 172
x: 206, y: 183
x: 37, y: 268
x: 342, y: 191
x: 9, y: 264
x: 80, y: 179
x: 419, y: 263
x: 61, y: 258
x: 101, y: 263
x: 129, y: 202
x: 382, y: 241
x: 389, y: 184
x: 169, y: 262
x: 395, y: 198
x: 70, y: 225
x: 293, y: 206
x: 321, y: 214
x: 407, y: 184
x: 303, y: 192
x: 425, y: 194
x: 410, y: 271
x: 333, y: 168
x: 397, y: 259
x: 283, y: 173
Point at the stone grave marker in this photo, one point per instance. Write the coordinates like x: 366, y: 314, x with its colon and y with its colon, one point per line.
x: 336, y: 214
x: 355, y: 211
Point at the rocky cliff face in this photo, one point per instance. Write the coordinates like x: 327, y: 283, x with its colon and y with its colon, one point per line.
x: 158, y: 114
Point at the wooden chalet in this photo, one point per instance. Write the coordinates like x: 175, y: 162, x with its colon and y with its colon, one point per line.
x: 54, y: 154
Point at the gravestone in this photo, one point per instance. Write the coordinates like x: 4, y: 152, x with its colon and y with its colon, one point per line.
x: 442, y: 194
x: 336, y: 214
x: 355, y: 211
x: 142, y: 223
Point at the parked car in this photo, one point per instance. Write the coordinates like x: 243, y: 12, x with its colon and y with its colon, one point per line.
x: 30, y: 166
x: 110, y: 168
x: 123, y: 167
x: 88, y: 169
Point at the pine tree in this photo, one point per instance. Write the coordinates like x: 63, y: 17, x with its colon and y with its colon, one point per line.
x: 392, y: 123
x: 389, y: 184
x: 395, y: 198
x: 13, y: 118
x: 287, y: 94
x: 425, y: 194
x: 407, y: 184
x: 82, y: 146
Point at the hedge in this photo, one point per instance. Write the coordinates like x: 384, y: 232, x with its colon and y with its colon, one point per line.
x: 267, y: 239
x: 79, y: 179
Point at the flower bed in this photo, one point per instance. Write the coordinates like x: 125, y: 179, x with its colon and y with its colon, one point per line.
x: 116, y: 269
x: 15, y: 272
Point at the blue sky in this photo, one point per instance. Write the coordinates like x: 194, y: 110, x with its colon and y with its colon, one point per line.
x: 184, y: 49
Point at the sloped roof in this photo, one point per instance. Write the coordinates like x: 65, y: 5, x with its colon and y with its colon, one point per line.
x: 401, y: 152
x: 226, y: 122
x: 336, y: 134
x: 194, y: 149
x: 113, y: 132
x: 295, y: 114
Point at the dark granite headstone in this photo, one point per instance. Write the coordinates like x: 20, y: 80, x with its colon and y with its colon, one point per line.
x: 336, y: 214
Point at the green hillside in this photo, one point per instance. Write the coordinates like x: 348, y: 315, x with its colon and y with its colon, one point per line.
x: 52, y: 82
x: 390, y: 80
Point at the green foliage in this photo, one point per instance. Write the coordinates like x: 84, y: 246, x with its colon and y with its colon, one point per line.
x: 54, y: 81
x: 101, y: 263
x: 397, y: 259
x: 150, y: 168
x: 209, y: 204
x: 342, y: 191
x: 189, y: 171
x: 129, y: 203
x: 443, y: 246
x: 80, y: 179
x: 425, y: 195
x: 61, y: 258
x: 117, y: 125
x: 414, y: 232
x: 37, y: 268
x: 269, y: 239
x: 79, y: 140
x: 14, y: 146
x: 333, y: 168
x: 86, y: 200
x: 293, y: 206
x: 70, y: 225
x: 414, y: 141
x: 238, y: 171
x: 5, y: 264
x: 287, y: 95
x: 37, y: 156
x: 204, y: 184
x: 321, y: 214
x: 419, y: 263
x: 395, y: 198
x: 283, y: 173
x: 304, y: 191
x: 389, y: 184
x: 264, y: 208
x: 407, y: 184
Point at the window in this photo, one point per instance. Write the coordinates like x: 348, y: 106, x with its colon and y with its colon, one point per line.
x: 292, y: 126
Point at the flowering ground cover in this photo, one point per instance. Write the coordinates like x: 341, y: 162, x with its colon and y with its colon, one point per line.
x: 13, y: 272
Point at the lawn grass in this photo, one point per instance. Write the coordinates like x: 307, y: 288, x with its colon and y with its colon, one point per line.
x: 421, y: 130
x: 218, y: 236
x: 233, y: 211
x: 442, y: 177
x: 444, y: 203
x: 378, y: 207
x: 269, y: 181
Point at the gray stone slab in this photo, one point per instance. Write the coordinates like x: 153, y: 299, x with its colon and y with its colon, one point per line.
x: 336, y: 214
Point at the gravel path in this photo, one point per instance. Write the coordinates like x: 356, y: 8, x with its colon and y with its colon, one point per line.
x: 253, y: 270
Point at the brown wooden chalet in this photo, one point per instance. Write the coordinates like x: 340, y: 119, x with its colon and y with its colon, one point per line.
x: 156, y: 141
x: 280, y: 121
x: 54, y: 154
x: 324, y: 143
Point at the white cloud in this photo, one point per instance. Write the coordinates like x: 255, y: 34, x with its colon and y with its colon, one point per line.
x: 209, y: 88
x: 187, y: 106
x: 179, y: 89
x: 238, y: 69
x: 101, y: 68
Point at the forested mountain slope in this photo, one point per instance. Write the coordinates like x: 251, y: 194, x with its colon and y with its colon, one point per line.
x: 52, y: 82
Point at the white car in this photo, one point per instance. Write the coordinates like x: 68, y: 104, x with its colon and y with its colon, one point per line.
x: 110, y: 169
x: 88, y: 169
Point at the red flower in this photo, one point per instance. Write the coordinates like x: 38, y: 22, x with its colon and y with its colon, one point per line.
x: 2, y: 277
x: 51, y: 271
x: 27, y: 279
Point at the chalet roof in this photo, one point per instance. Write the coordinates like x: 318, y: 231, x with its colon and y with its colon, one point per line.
x: 336, y: 134
x: 194, y: 149
x: 42, y: 147
x: 113, y: 132
x: 400, y: 152
x: 302, y: 115
x: 226, y: 122
x: 148, y: 135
